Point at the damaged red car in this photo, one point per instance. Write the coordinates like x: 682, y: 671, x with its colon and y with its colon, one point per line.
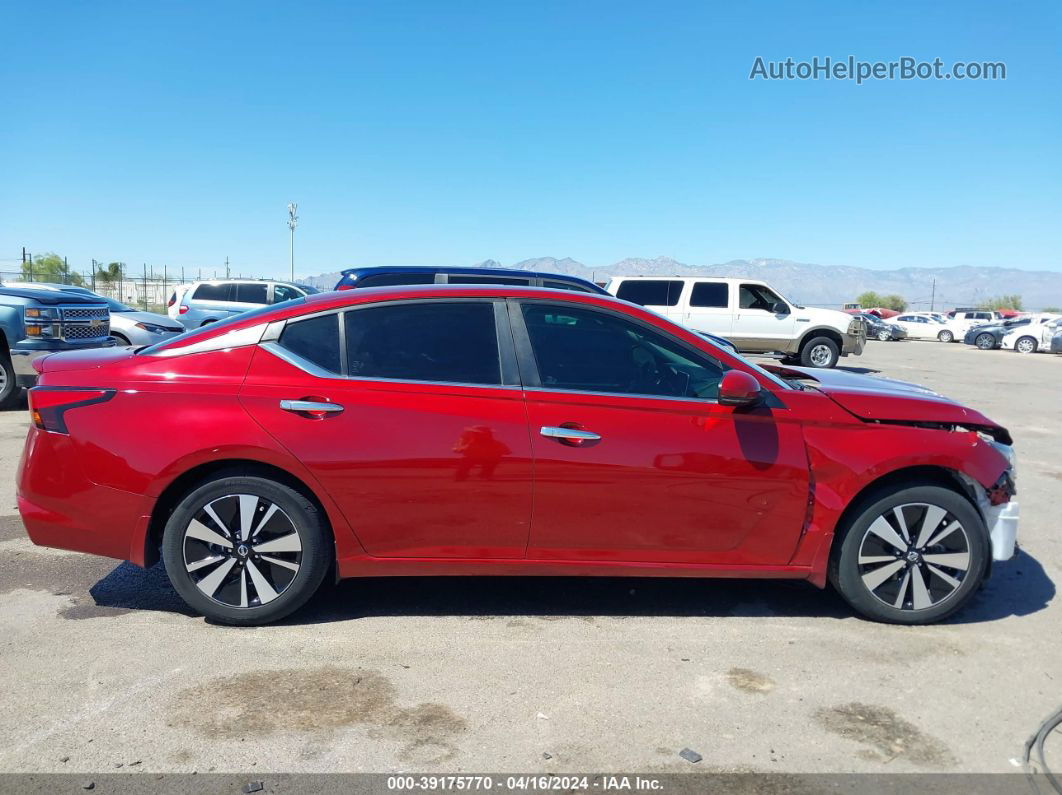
x: 462, y: 430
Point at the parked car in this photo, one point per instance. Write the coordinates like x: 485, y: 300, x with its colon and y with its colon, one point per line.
x: 37, y: 322
x: 1033, y: 337
x: 750, y: 314
x: 201, y: 303
x: 881, y: 329
x: 382, y: 276
x: 990, y: 335
x: 405, y: 431
x: 128, y: 326
x: 923, y: 327
x: 958, y: 322
x: 1056, y: 342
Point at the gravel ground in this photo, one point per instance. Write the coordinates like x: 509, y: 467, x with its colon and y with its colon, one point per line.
x: 106, y: 671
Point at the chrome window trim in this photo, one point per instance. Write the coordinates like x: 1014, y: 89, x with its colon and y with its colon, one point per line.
x: 319, y: 372
x: 638, y: 395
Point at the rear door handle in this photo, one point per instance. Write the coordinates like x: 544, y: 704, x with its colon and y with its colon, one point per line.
x: 311, y: 407
x: 568, y: 434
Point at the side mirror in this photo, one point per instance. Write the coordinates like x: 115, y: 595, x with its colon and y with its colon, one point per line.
x: 780, y: 308
x: 738, y: 388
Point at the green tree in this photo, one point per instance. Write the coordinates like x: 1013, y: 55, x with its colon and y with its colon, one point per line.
x: 895, y: 302
x: 1002, y: 302
x: 50, y: 267
x: 1054, y: 310
x: 869, y: 299
x: 110, y: 273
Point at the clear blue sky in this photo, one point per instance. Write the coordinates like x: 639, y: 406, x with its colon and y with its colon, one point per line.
x: 449, y: 132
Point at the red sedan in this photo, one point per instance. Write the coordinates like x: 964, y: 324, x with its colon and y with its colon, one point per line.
x: 445, y: 430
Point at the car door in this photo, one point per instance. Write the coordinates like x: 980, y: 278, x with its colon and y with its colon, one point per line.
x: 709, y: 307
x: 757, y: 326
x: 915, y: 326
x: 635, y: 460
x: 663, y: 296
x: 411, y: 417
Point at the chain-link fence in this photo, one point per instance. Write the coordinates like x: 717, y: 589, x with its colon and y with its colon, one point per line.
x: 144, y: 288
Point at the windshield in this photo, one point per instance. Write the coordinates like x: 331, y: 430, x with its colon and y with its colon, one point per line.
x: 117, y: 306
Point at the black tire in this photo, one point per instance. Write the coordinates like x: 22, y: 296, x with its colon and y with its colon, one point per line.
x: 821, y: 352
x: 946, y: 336
x: 207, y: 322
x: 1025, y: 345
x: 9, y: 388
x: 850, y: 576
x: 985, y: 342
x: 280, y: 595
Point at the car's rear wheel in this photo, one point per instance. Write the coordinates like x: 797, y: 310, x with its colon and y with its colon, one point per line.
x: 945, y: 336
x: 246, y: 550
x: 1025, y: 345
x: 910, y: 555
x: 820, y: 352
x: 985, y: 342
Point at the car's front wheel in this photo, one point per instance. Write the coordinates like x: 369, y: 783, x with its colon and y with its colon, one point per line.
x: 985, y: 342
x: 820, y: 352
x: 884, y: 336
x: 910, y: 555
x: 9, y: 391
x: 246, y: 550
x: 945, y: 336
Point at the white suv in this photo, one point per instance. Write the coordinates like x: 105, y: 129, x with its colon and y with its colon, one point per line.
x: 750, y: 314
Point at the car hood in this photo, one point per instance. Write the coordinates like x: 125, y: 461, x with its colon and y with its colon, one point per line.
x: 148, y: 317
x: 887, y: 400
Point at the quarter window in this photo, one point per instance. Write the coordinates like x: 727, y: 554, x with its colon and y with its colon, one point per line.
x: 710, y: 294
x: 315, y: 339
x: 650, y: 292
x: 590, y: 351
x: 424, y: 341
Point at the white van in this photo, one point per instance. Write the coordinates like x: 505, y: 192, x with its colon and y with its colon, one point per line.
x: 750, y: 314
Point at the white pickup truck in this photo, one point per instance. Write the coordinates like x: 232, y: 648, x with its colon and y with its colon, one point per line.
x: 750, y: 314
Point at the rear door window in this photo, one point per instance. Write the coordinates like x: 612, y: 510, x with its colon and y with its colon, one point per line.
x: 710, y: 294
x: 214, y: 292
x: 650, y: 292
x: 451, y: 341
x: 251, y: 293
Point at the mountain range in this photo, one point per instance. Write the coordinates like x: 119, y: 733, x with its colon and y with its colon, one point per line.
x: 821, y: 285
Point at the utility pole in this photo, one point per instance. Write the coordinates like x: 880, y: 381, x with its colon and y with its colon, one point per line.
x: 933, y: 297
x: 293, y: 221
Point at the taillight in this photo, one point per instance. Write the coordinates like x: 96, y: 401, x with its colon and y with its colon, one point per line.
x: 172, y: 301
x: 182, y: 309
x: 48, y: 404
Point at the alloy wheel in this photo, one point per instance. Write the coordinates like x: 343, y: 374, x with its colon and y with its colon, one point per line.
x: 884, y: 336
x: 821, y: 355
x: 945, y: 336
x: 1025, y: 345
x: 242, y: 550
x: 914, y: 556
x: 985, y: 342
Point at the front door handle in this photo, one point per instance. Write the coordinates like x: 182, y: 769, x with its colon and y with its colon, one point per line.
x: 314, y: 408
x: 569, y: 434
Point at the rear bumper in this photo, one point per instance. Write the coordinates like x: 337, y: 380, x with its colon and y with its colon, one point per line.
x: 62, y: 508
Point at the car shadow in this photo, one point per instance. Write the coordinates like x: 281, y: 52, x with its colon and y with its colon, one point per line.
x: 1018, y: 587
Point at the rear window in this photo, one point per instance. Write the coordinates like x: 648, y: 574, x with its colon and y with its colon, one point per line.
x: 710, y: 294
x: 650, y: 292
x: 453, y: 342
x: 213, y: 292
x: 393, y: 279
